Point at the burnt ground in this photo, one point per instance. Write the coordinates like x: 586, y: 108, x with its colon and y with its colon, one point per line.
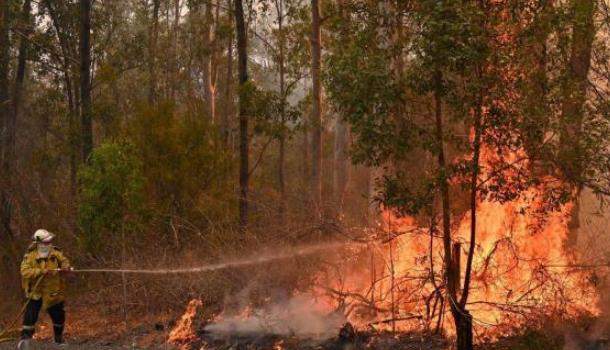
x: 406, y: 341
x: 410, y: 341
x: 98, y: 331
x: 154, y: 337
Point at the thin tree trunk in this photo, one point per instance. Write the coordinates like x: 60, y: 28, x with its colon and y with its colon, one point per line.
x: 21, y: 68
x: 208, y: 85
x: 341, y: 170
x: 444, y: 188
x: 242, y: 54
x: 462, y: 319
x: 279, y: 4
x: 316, y: 110
x: 175, y: 69
x: 462, y: 316
x: 85, y: 78
x: 152, y: 52
x: 282, y: 178
x: 226, y: 117
x: 5, y: 202
x: 306, y: 161
x: 474, y: 184
x: 215, y: 59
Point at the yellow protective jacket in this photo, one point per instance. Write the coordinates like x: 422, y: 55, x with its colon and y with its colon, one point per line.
x: 51, y: 288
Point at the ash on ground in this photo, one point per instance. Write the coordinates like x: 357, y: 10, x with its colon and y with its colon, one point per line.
x: 347, y: 339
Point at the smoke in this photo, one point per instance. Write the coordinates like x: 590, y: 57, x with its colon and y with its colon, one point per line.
x: 300, y: 316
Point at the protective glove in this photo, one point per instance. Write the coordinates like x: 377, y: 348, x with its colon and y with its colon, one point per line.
x: 66, y: 271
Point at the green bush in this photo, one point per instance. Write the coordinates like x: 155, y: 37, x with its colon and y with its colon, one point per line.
x: 111, y: 195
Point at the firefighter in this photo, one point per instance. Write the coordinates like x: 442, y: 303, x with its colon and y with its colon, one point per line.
x: 42, y: 271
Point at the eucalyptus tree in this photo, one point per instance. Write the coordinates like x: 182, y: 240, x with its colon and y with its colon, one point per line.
x: 316, y: 110
x: 85, y: 79
x: 5, y: 58
x: 244, y: 153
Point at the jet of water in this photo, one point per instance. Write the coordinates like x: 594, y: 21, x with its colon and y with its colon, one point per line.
x: 254, y: 260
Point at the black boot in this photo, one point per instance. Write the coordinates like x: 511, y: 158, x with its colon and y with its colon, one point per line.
x: 58, y: 331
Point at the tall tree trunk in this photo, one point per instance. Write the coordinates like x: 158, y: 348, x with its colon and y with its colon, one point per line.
x: 175, y: 69
x: 21, y: 66
x: 216, y: 52
x: 474, y: 185
x: 574, y: 98
x: 281, y: 166
x: 225, y: 126
x: 451, y: 258
x: 11, y: 129
x: 316, y: 109
x: 306, y: 161
x: 462, y: 317
x: 71, y: 93
x: 242, y: 56
x: 208, y: 82
x: 153, y: 36
x: 444, y: 189
x: 340, y: 166
x: 5, y: 201
x: 85, y: 78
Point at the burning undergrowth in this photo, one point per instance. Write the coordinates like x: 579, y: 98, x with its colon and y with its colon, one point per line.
x: 297, y: 323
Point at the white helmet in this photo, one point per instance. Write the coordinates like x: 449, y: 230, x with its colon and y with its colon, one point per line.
x: 43, y: 236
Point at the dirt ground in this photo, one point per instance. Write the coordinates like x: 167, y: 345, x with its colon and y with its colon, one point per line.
x: 383, y: 343
x: 90, y: 328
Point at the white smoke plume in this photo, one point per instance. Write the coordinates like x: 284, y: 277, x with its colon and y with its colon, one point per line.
x: 300, y: 316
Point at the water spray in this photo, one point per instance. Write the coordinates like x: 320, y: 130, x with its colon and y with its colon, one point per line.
x: 301, y: 251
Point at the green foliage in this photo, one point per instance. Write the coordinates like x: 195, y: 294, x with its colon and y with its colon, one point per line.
x: 364, y: 90
x: 185, y: 164
x: 172, y: 168
x: 111, y: 196
x: 270, y: 112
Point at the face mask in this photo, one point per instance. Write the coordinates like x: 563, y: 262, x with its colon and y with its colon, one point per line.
x: 44, y: 250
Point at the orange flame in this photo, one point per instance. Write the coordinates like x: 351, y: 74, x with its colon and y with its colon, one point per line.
x: 185, y: 331
x: 520, y: 270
